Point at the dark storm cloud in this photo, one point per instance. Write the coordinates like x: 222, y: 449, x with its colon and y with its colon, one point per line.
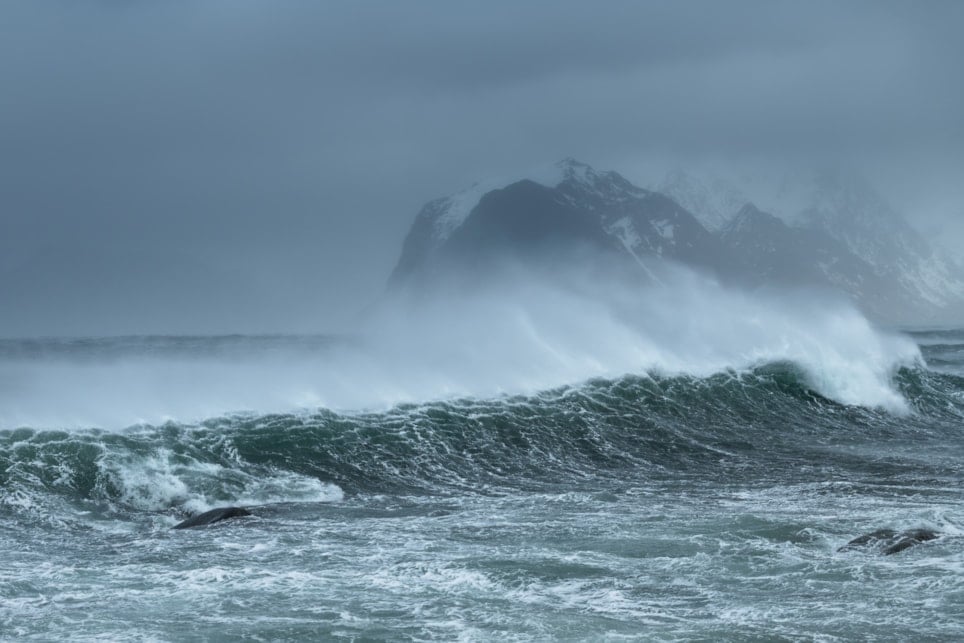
x: 211, y: 166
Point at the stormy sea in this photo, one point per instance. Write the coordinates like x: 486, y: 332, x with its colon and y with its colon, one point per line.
x: 520, y: 473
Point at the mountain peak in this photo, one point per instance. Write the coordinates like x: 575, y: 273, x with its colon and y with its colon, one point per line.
x: 826, y: 228
x: 749, y: 210
x: 570, y: 167
x: 570, y: 170
x: 587, y: 188
x: 751, y: 217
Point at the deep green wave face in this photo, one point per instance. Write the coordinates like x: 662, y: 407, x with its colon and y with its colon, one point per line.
x: 631, y: 430
x: 638, y: 507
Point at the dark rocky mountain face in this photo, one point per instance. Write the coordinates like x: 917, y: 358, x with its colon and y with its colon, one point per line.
x: 525, y: 220
x: 525, y: 226
x: 923, y: 284
x: 777, y: 254
x: 421, y: 240
x: 665, y: 230
x: 598, y: 221
x: 850, y: 210
x: 586, y: 216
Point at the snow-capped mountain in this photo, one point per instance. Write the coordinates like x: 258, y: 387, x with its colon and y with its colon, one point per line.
x: 850, y: 210
x: 778, y: 254
x: 828, y: 232
x: 843, y: 206
x: 570, y: 207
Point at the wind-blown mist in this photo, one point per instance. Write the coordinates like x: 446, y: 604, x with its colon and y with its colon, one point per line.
x: 520, y: 336
x: 677, y: 461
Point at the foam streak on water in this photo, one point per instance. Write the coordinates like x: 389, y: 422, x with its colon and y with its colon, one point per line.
x: 673, y: 508
x: 535, y: 483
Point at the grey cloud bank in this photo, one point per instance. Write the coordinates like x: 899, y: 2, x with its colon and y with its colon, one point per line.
x: 248, y: 167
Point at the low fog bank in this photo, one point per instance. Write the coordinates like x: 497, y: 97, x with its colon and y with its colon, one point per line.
x: 519, y: 334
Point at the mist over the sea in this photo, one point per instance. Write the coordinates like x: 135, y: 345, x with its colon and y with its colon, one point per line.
x: 199, y: 168
x: 431, y: 321
x: 520, y: 335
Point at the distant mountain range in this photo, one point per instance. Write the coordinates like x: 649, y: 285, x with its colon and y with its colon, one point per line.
x: 827, y: 231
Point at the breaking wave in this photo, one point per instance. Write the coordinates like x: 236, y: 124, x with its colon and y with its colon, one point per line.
x: 625, y: 430
x: 519, y: 338
x: 524, y: 386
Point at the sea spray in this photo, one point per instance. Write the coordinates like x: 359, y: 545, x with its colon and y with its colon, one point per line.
x: 650, y: 505
x: 517, y: 337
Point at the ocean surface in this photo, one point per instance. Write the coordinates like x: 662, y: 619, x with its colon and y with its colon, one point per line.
x: 652, y: 504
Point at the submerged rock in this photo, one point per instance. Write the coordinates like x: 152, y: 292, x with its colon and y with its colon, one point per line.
x: 213, y: 516
x: 889, y: 541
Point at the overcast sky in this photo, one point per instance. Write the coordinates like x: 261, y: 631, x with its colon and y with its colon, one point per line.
x: 222, y: 166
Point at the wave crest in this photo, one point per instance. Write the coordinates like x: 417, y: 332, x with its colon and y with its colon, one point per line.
x: 628, y: 430
x: 519, y: 337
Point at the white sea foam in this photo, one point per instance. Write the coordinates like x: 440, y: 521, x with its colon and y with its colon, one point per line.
x: 518, y: 337
x: 529, y: 336
x: 162, y: 479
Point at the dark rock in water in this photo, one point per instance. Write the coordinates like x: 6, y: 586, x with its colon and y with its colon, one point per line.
x: 873, y: 537
x: 213, y: 516
x: 889, y: 541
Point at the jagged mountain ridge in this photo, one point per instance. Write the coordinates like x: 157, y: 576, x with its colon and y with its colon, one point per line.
x: 625, y: 219
x: 778, y: 254
x: 574, y: 208
x: 859, y: 217
x: 839, y: 204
